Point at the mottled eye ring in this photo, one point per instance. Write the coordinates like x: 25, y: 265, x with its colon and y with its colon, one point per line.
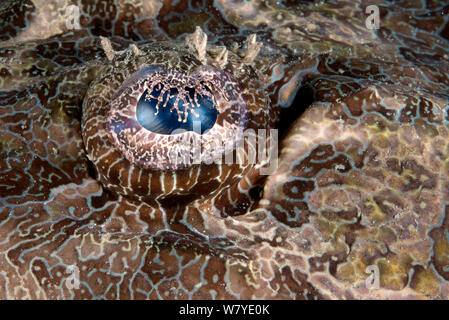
x: 167, y: 156
x: 164, y: 119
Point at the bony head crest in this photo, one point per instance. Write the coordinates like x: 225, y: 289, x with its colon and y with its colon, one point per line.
x: 111, y: 53
x: 197, y: 43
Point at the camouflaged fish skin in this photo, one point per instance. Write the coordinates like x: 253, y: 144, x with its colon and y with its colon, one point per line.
x: 362, y: 178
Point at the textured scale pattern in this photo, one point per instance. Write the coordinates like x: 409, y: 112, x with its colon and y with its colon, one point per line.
x: 362, y: 176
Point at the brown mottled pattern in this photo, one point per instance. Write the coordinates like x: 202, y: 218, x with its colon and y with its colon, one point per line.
x: 362, y: 177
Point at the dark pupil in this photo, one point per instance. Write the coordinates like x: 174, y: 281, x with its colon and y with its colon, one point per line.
x: 164, y: 121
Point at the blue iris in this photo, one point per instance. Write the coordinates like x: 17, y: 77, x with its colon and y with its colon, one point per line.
x: 165, y: 122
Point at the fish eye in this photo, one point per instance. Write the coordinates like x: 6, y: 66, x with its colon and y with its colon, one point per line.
x: 162, y: 124
x: 165, y: 108
x: 159, y: 115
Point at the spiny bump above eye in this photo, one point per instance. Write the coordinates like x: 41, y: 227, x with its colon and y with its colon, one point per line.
x: 107, y: 47
x: 135, y: 50
x: 252, y: 49
x: 197, y: 42
x: 111, y: 53
x: 222, y: 57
